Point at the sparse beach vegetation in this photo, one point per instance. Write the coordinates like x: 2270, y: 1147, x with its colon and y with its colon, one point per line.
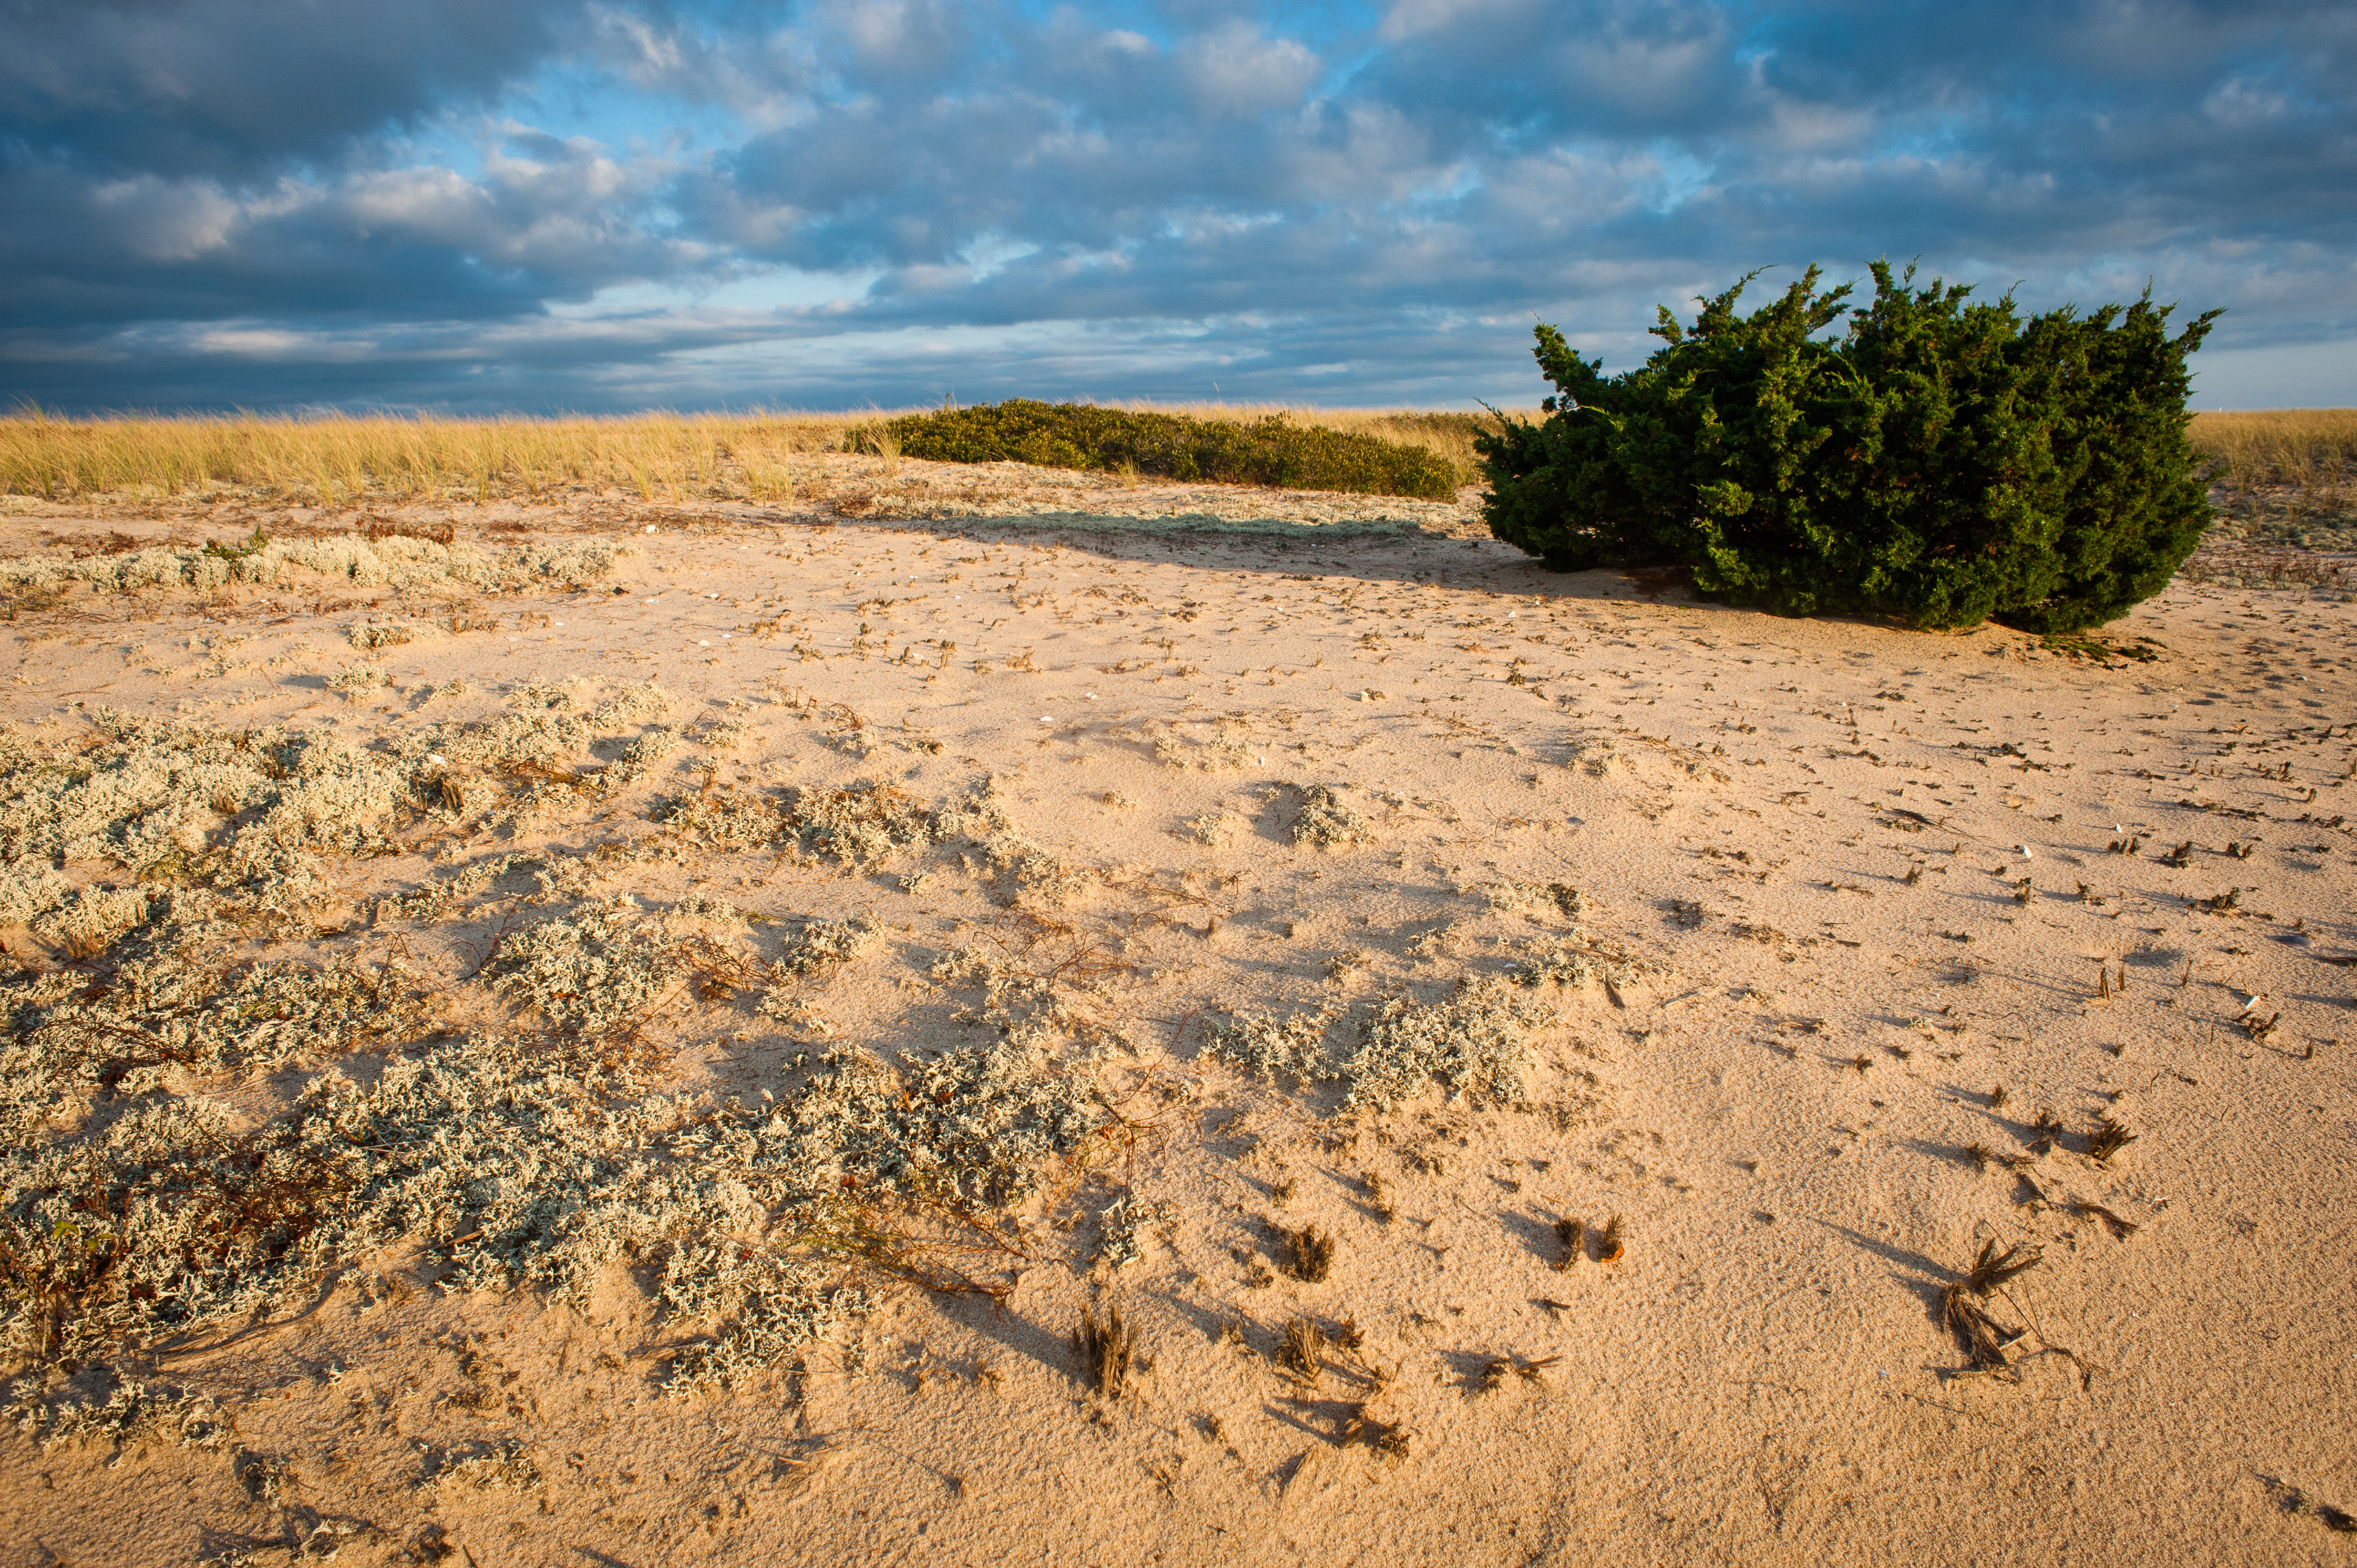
x: 999, y: 980
x: 767, y: 457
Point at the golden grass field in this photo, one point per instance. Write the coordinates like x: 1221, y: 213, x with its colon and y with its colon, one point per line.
x: 2311, y: 450
x: 651, y: 457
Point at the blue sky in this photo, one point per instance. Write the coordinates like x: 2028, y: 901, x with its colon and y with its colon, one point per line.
x: 545, y: 205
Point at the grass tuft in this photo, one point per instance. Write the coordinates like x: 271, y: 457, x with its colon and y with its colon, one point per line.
x: 1307, y: 1254
x: 1107, y: 1349
x: 2108, y: 1138
x: 1302, y: 1350
x: 1985, y: 1340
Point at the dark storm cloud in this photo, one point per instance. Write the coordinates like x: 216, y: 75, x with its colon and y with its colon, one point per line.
x: 499, y: 204
x: 234, y: 89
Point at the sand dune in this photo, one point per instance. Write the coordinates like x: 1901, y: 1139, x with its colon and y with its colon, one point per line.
x: 1329, y: 914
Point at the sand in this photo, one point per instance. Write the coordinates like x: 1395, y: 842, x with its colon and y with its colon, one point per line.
x: 1836, y: 886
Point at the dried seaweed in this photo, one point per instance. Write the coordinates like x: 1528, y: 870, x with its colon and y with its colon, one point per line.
x: 2121, y: 1230
x: 1495, y: 1371
x: 1608, y: 1241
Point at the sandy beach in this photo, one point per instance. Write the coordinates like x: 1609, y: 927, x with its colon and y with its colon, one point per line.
x: 1532, y: 1060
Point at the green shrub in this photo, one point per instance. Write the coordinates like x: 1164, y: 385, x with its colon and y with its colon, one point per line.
x: 1270, y: 451
x: 1941, y: 462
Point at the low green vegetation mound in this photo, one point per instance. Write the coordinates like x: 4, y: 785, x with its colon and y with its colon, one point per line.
x: 1942, y: 462
x: 1271, y: 450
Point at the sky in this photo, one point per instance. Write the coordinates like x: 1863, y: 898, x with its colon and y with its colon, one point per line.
x: 544, y: 205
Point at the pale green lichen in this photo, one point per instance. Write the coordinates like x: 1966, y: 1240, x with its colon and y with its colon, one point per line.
x: 532, y: 1166
x: 357, y: 680
x: 1473, y: 1045
x: 173, y: 1001
x: 1271, y: 1048
x: 641, y: 753
x: 87, y: 920
x: 505, y: 1465
x: 31, y: 887
x: 1533, y: 898
x: 865, y: 824
x: 1212, y: 828
x: 594, y: 971
x: 135, y: 1205
x: 726, y: 818
x: 643, y: 702
x: 395, y: 562
x: 1575, y: 961
x: 1126, y: 1224
x: 1216, y: 756
x: 151, y: 792
x: 1026, y: 1005
x: 132, y: 1411
x: 860, y: 826
x: 823, y: 947
x: 1324, y: 819
x: 1025, y: 871
x: 390, y: 631
x: 1559, y: 965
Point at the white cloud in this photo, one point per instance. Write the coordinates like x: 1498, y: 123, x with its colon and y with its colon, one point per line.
x: 1405, y: 19
x: 1237, y: 70
x: 159, y: 219
x: 2241, y: 102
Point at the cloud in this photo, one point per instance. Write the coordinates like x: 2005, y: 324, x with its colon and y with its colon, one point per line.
x: 562, y: 203
x: 1236, y: 72
x: 543, y: 220
x: 236, y: 89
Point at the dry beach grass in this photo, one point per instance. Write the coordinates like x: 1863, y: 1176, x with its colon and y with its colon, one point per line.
x: 759, y: 456
x: 2309, y: 452
x: 2314, y: 449
x: 1004, y: 1013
